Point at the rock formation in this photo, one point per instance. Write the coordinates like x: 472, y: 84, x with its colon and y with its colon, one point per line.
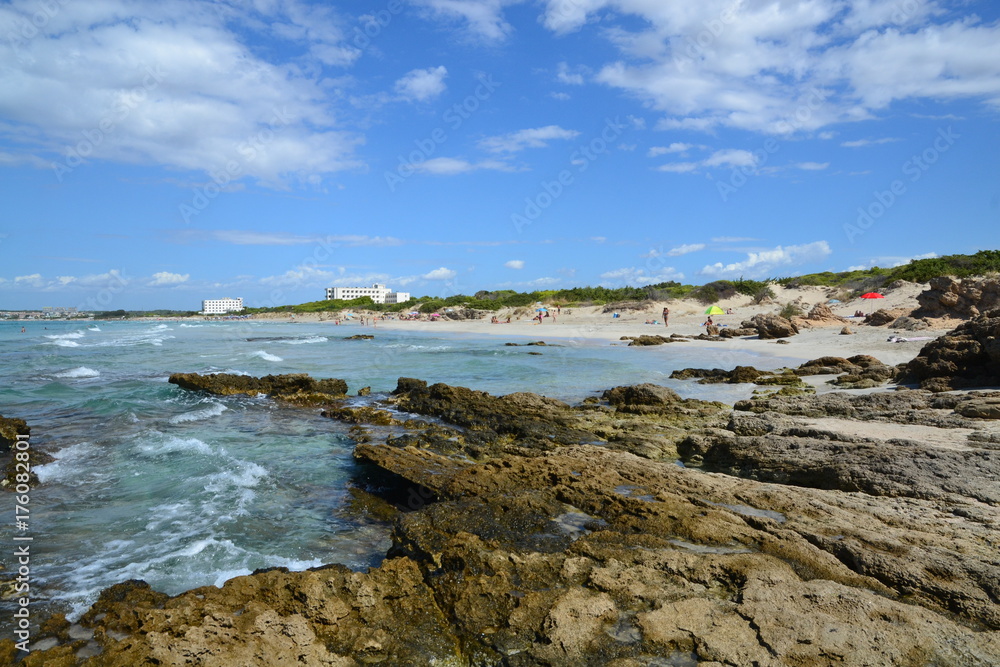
x: 844, y: 529
x: 967, y: 356
x: 292, y: 387
x: 771, y: 326
x: 958, y: 298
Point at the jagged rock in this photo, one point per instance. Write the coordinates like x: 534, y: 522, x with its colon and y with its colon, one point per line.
x: 10, y: 428
x: 583, y: 554
x: 360, y: 337
x: 365, y: 391
x: 882, y: 317
x: 738, y: 375
x: 980, y: 408
x: 293, y: 387
x: 821, y: 314
x: 961, y: 298
x: 771, y: 326
x: 967, y: 356
x: 712, y: 330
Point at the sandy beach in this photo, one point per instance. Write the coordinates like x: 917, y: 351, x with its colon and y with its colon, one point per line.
x: 687, y: 317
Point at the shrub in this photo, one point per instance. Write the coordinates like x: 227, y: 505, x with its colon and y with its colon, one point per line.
x: 790, y: 310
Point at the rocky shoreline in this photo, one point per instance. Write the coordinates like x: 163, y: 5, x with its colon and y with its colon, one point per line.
x: 633, y: 529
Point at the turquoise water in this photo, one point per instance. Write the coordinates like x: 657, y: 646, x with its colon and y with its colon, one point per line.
x: 182, y: 490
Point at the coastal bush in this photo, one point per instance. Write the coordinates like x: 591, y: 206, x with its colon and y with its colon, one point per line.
x: 790, y: 310
x: 763, y: 295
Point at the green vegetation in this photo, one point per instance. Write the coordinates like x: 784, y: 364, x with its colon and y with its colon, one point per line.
x: 850, y: 284
x: 128, y: 314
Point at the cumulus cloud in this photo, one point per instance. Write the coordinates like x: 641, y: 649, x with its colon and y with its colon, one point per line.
x: 166, y: 278
x: 785, y: 67
x: 422, y: 85
x: 766, y: 262
x: 515, y: 264
x: 440, y: 274
x: 174, y: 84
x: 538, y: 137
x: 725, y: 158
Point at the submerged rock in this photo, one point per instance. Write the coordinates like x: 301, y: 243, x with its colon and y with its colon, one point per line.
x: 293, y: 387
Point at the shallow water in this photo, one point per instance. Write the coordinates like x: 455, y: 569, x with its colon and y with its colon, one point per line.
x: 184, y: 490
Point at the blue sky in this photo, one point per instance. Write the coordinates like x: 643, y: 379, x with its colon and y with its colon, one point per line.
x: 156, y: 154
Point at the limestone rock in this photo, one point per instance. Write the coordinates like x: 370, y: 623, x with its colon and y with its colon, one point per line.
x: 771, y: 326
x: 967, y: 356
x: 961, y: 298
x: 293, y: 387
x: 883, y: 316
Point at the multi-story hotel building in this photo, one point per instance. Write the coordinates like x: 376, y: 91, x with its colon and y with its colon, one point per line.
x: 221, y: 306
x: 379, y: 294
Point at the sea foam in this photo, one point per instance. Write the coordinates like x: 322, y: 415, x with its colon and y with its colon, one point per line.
x: 266, y: 356
x: 79, y: 372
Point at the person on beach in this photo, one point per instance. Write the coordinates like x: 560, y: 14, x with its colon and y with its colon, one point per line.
x: 708, y: 322
x: 666, y: 315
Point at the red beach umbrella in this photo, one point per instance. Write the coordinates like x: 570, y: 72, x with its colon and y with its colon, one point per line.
x: 872, y: 295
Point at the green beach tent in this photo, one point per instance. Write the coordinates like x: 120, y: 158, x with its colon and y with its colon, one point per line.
x: 715, y: 310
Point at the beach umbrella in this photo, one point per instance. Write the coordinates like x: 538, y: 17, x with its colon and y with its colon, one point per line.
x: 715, y: 310
x: 872, y: 295
x: 834, y: 301
x: 541, y: 310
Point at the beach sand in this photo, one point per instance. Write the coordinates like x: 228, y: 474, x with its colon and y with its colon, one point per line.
x: 592, y: 324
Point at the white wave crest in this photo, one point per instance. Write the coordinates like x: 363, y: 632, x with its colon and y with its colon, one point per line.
x: 303, y: 341
x: 79, y: 372
x: 266, y: 356
x: 64, y: 343
x: 214, y: 410
x: 75, y: 334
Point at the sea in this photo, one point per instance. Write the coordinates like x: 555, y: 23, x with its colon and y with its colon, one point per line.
x: 183, y: 489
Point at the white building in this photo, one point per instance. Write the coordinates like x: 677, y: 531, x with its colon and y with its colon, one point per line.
x: 221, y: 306
x: 379, y: 294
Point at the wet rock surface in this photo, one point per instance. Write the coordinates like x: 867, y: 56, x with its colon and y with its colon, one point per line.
x: 292, y: 387
x: 531, y: 532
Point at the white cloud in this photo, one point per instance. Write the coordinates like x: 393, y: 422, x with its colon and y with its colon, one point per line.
x: 175, y: 84
x: 440, y: 274
x: 166, y: 278
x: 562, y: 97
x: 731, y: 157
x: 448, y: 166
x: 675, y: 147
x: 725, y: 158
x: 813, y: 166
x: 564, y: 75
x: 685, y: 249
x: 302, y: 276
x: 483, y: 19
x: 678, y: 167
x: 858, y: 143
x: 537, y: 137
x: 786, y: 67
x: 515, y: 264
x: 638, y: 276
x: 33, y: 280
x: 765, y: 263
x: 422, y: 85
